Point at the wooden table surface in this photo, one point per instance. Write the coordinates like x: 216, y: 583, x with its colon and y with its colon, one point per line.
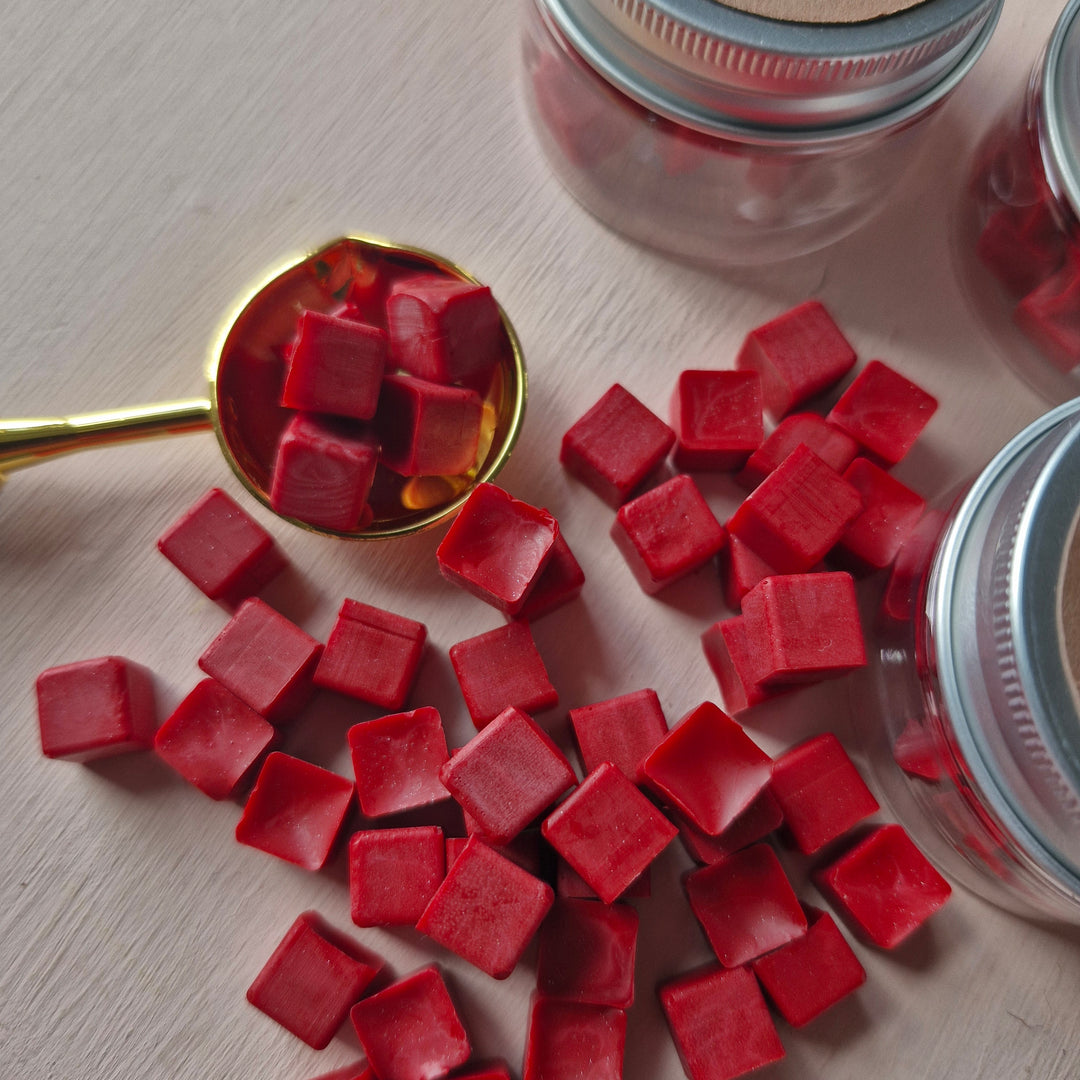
x: 156, y: 159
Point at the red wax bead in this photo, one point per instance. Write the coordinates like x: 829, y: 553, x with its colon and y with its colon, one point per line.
x: 213, y: 740
x: 372, y: 655
x: 560, y: 581
x: 667, y: 533
x: 745, y: 905
x: 622, y: 730
x: 227, y: 554
x: 885, y: 885
x: 393, y: 873
x: 411, y: 1030
x: 720, y: 1023
x: 497, y: 547
x: 567, y: 1040
x: 312, y: 980
x: 95, y: 708
x: 608, y: 831
x: 295, y: 811
x: 760, y: 818
x: 570, y: 884
x: 487, y: 909
x: 731, y: 658
x: 501, y: 668
x: 709, y: 768
x: 890, y: 511
x: 1050, y: 316
x: 741, y: 568
x: 397, y: 759
x: 616, y: 445
x: 797, y: 354
x: 264, y: 659
x: 835, y: 447
x: 717, y: 419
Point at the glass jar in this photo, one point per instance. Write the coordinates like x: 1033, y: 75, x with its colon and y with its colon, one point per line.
x: 732, y: 139
x: 970, y: 708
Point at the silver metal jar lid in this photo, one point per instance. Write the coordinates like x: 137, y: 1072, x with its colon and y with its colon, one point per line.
x: 718, y: 69
x: 1060, y: 97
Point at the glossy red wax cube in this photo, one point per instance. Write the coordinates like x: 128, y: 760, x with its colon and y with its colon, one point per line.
x: 213, y: 740
x: 1050, y: 316
x: 411, y: 1030
x: 567, y: 1040
x: 616, y: 445
x: 487, y: 909
x: 708, y: 768
x: 835, y: 447
x: 622, y: 730
x: 731, y: 657
x: 559, y: 582
x: 393, y: 873
x: 222, y: 550
x: 608, y: 831
x: 372, y: 655
x: 760, y: 818
x: 716, y: 416
x: 667, y: 533
x: 312, y: 979
x: 891, y: 510
x: 295, y: 811
x: 397, y: 759
x: 95, y: 708
x: 497, y: 547
x: 264, y: 659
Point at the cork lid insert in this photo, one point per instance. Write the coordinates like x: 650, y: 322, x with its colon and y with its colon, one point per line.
x: 822, y: 11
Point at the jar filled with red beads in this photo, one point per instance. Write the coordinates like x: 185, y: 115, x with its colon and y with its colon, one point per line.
x: 747, y: 131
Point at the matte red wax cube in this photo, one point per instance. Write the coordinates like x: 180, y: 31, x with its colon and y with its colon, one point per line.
x: 559, y: 582
x: 797, y: 354
x: 622, y: 730
x: 796, y: 514
x: 411, y: 1030
x: 323, y: 471
x: 567, y: 1040
x: 884, y: 411
x: 1050, y: 316
x: 570, y: 884
x: 501, y: 668
x: 372, y: 655
x: 295, y: 811
x: 264, y: 659
x: 397, y: 759
x: 885, y: 885
x: 497, y: 547
x: 587, y: 953
x: 608, y: 831
x: 731, y: 657
x: 95, y: 708
x: 741, y: 568
x: 890, y: 511
x: 1022, y: 246
x: 720, y: 1023
x: 487, y: 909
x: 225, y: 553
x: 393, y: 873
x: 616, y: 445
x: 716, y: 416
x: 760, y: 818
x: 811, y: 973
x: 708, y: 767
x: 667, y: 533
x: 525, y: 850
x: 835, y: 447
x: 745, y: 905
x: 312, y: 979
x: 213, y: 740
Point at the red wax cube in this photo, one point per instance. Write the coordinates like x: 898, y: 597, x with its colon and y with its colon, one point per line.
x: 372, y: 655
x: 796, y: 514
x: 570, y: 884
x: 915, y: 751
x: 336, y: 366
x: 444, y: 329
x: 567, y: 1040
x: 615, y: 445
x: 312, y: 979
x: 411, y: 1030
x: 506, y: 775
x: 1022, y: 246
x: 890, y: 511
x: 745, y: 905
x: 497, y: 547
x: 720, y: 1023
x: 797, y: 354
x: 95, y: 708
x: 1050, y: 316
x: 884, y: 411
x: 524, y: 850
x: 502, y: 668
x: 487, y: 909
x: 560, y: 581
x: 295, y: 811
x: 393, y: 873
x: 806, y: 976
x: 426, y: 428
x: 759, y: 819
x: 910, y: 566
x: 397, y: 759
x: 587, y: 953
x: 667, y: 533
x: 709, y: 768
x: 264, y: 659
x: 213, y: 740
x: 622, y: 730
x: 731, y: 658
x: 741, y: 568
x: 885, y: 885
x: 835, y: 447
x: 717, y: 418
x: 608, y: 831
x: 323, y: 472
x: 220, y: 549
